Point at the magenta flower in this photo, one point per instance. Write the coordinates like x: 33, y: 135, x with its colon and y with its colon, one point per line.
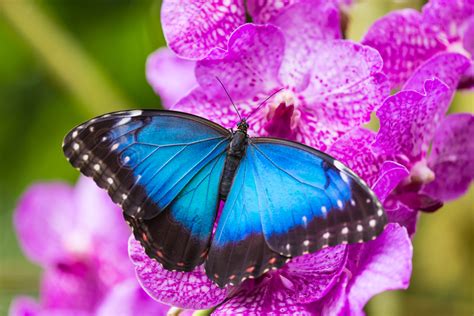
x: 332, y: 281
x: 78, y: 237
x: 193, y: 28
x: 329, y: 282
x: 407, y: 38
x: 411, y: 121
x: 192, y: 35
x: 323, y: 97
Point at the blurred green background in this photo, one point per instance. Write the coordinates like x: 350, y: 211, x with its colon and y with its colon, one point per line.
x: 62, y: 62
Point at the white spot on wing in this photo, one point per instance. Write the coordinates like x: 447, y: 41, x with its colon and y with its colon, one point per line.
x: 339, y: 203
x: 96, y: 167
x: 339, y: 165
x: 75, y: 146
x: 344, y: 177
x: 306, y: 243
x: 85, y: 157
x: 360, y: 228
x: 380, y: 212
x: 74, y: 134
x: 110, y: 180
x: 372, y: 223
x: 135, y: 113
x: 123, y: 121
x: 345, y: 230
x: 114, y: 146
x: 326, y: 235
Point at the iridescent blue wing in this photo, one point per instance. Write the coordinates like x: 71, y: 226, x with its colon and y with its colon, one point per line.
x: 239, y: 250
x: 289, y: 199
x: 163, y: 168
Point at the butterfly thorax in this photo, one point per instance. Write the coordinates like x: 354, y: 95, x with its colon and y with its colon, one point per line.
x: 235, y: 152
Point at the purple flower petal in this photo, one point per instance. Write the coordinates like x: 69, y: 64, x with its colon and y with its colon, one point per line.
x: 70, y: 287
x: 380, y: 265
x: 404, y: 42
x: 305, y: 24
x: 249, y: 67
x: 304, y: 280
x: 97, y: 216
x: 408, y: 120
x: 354, y: 150
x: 398, y: 212
x: 391, y: 174
x: 452, y: 157
x: 448, y: 17
x: 128, y: 299
x: 192, y: 28
x: 249, y: 70
x: 468, y: 41
x: 24, y: 306
x: 43, y: 214
x: 170, y: 76
x: 448, y: 67
x: 342, y: 91
x: 191, y: 290
x: 467, y: 80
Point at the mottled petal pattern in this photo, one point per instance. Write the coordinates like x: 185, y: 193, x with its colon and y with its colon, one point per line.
x: 380, y: 265
x: 354, y: 150
x: 408, y: 120
x: 391, y: 174
x: 191, y: 290
x: 342, y: 92
x: 404, y: 42
x: 170, y: 77
x: 193, y: 27
x: 452, y: 157
x: 306, y: 25
x: 398, y: 212
x: 447, y: 67
x: 448, y: 17
x: 250, y: 66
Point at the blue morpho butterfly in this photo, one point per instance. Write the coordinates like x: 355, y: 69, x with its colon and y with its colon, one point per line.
x: 168, y: 170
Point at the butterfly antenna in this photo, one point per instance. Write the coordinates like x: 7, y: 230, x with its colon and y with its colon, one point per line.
x: 263, y: 102
x: 226, y: 92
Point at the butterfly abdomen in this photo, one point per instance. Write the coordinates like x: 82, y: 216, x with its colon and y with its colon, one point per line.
x: 235, y: 152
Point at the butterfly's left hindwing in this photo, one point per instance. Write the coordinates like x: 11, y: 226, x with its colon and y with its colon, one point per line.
x: 163, y: 168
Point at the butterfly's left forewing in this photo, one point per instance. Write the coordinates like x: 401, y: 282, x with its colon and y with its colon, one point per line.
x: 163, y: 168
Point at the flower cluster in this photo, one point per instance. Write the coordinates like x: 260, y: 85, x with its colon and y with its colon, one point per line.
x: 330, y: 88
x: 78, y: 237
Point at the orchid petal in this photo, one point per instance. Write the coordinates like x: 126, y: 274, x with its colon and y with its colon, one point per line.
x: 452, y: 157
x: 192, y: 28
x: 170, y: 76
x: 190, y: 290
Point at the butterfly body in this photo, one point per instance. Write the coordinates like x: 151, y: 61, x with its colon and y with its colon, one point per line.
x: 169, y: 171
x: 235, y: 152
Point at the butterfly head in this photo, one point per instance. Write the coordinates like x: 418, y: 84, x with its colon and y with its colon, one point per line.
x: 243, y: 125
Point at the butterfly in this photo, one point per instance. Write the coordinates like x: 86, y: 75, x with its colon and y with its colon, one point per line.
x: 170, y: 171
